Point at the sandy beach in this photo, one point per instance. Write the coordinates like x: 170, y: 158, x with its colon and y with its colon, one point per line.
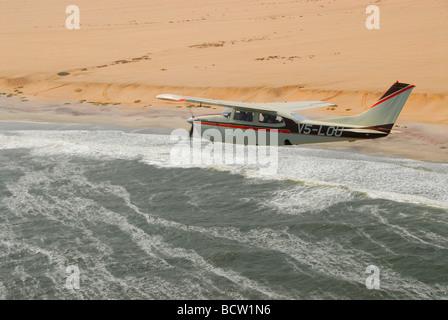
x: 125, y: 53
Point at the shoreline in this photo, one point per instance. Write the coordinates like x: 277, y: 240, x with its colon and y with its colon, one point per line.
x: 383, y: 149
x: 408, y: 139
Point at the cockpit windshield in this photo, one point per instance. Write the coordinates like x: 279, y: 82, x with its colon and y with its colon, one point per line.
x: 227, y: 112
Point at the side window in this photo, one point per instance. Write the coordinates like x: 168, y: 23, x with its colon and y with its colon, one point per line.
x: 243, y: 116
x: 270, y: 118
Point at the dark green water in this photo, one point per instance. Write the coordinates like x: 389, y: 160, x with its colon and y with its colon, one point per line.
x: 137, y: 227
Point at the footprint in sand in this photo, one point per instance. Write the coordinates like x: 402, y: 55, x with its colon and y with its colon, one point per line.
x: 116, y: 62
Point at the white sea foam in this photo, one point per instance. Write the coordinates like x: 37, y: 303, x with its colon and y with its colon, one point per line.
x: 324, y: 256
x: 386, y: 178
x: 152, y: 243
x: 308, y: 199
x: 74, y: 212
x: 96, y: 280
x: 380, y: 177
x: 402, y: 231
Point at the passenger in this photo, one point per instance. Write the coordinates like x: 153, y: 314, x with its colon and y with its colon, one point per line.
x: 238, y: 115
x: 265, y: 117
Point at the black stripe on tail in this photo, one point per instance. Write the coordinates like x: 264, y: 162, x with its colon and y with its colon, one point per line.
x: 397, y: 86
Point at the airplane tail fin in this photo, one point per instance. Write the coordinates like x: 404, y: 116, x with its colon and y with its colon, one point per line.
x: 382, y: 114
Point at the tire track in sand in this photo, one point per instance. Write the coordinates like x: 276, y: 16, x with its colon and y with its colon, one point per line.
x: 45, y: 90
x: 333, y: 96
x: 105, y: 92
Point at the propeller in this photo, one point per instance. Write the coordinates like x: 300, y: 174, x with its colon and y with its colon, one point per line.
x: 191, y: 121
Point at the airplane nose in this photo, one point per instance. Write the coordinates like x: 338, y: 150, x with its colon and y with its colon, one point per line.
x: 190, y: 120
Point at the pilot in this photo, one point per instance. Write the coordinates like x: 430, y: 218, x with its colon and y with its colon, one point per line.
x: 270, y: 118
x: 243, y: 116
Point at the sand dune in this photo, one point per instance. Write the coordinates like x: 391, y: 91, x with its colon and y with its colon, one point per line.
x: 427, y: 108
x: 314, y: 44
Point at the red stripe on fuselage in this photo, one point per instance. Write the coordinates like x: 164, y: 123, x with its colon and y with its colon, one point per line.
x: 288, y: 131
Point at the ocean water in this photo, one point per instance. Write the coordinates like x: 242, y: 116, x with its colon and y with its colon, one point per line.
x: 109, y: 206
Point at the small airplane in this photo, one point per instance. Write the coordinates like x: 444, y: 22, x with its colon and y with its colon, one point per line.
x: 292, y: 128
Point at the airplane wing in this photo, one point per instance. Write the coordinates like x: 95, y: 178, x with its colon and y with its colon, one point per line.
x: 269, y: 107
x: 288, y: 107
